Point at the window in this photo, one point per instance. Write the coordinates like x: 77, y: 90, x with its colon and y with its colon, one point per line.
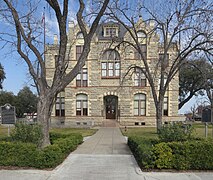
x: 141, y: 34
x: 140, y: 105
x: 60, y: 105
x: 81, y: 79
x: 111, y: 31
x: 165, y: 106
x: 138, y: 55
x: 140, y: 78
x: 79, y: 50
x: 79, y: 35
x: 166, y: 62
x: 110, y: 66
x: 81, y: 105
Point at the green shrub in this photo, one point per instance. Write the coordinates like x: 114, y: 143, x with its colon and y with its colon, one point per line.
x: 145, y: 156
x: 27, y: 133
x: 192, y: 155
x: 66, y: 141
x: 27, y: 154
x: 175, y: 132
x: 142, y: 148
x: 17, y: 154
x: 184, y: 155
x: 54, y: 136
x: 49, y: 157
x: 181, y: 153
x: 163, y: 156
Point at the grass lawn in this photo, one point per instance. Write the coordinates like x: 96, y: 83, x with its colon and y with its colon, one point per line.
x: 140, y: 131
x: 199, y: 130
x: 4, y: 131
x: 84, y: 132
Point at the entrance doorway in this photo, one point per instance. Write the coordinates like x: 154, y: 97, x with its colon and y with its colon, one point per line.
x: 111, y: 106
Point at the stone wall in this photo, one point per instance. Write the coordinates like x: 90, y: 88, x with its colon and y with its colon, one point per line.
x: 122, y: 87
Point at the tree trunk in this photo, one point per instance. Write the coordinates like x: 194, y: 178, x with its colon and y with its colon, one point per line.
x: 159, y: 110
x: 44, y: 110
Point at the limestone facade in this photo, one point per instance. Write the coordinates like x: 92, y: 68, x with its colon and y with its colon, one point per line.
x: 104, y: 89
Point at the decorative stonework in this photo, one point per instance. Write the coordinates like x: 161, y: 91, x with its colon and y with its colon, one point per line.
x: 99, y: 87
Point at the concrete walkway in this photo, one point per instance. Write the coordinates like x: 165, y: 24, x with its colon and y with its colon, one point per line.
x: 104, y: 156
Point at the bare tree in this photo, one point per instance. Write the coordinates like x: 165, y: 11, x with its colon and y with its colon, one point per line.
x: 26, y: 44
x: 185, y: 26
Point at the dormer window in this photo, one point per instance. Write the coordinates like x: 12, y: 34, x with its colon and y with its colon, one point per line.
x: 79, y: 35
x: 141, y: 34
x: 110, y: 31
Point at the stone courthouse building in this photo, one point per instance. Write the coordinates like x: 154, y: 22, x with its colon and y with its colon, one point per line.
x: 106, y: 88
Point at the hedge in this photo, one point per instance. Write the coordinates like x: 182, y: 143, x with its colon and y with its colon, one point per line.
x: 192, y: 155
x: 142, y: 150
x: 28, y: 155
x: 17, y: 154
x: 188, y: 155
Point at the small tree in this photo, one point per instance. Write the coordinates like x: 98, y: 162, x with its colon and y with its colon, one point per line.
x: 26, y: 102
x: 176, y: 132
x: 7, y: 97
x: 27, y: 133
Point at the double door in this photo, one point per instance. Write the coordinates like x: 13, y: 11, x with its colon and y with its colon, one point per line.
x: 111, y: 107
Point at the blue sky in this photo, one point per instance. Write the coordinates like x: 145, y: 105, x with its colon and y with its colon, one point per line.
x: 16, y: 70
x: 16, y: 74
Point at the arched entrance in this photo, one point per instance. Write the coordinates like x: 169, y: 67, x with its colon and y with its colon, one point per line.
x: 111, y: 106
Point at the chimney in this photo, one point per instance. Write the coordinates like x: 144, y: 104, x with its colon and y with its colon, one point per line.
x: 55, y: 38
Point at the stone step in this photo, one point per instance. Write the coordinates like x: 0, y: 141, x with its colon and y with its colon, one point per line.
x: 109, y: 123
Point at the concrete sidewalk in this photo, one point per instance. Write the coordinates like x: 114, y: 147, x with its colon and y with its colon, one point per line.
x: 104, y: 156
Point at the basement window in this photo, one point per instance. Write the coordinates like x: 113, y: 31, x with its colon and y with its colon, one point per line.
x: 143, y: 123
x: 136, y: 123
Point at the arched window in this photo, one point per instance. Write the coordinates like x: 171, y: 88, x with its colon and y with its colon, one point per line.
x: 110, y: 65
x: 79, y: 35
x: 140, y: 104
x: 81, y: 105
